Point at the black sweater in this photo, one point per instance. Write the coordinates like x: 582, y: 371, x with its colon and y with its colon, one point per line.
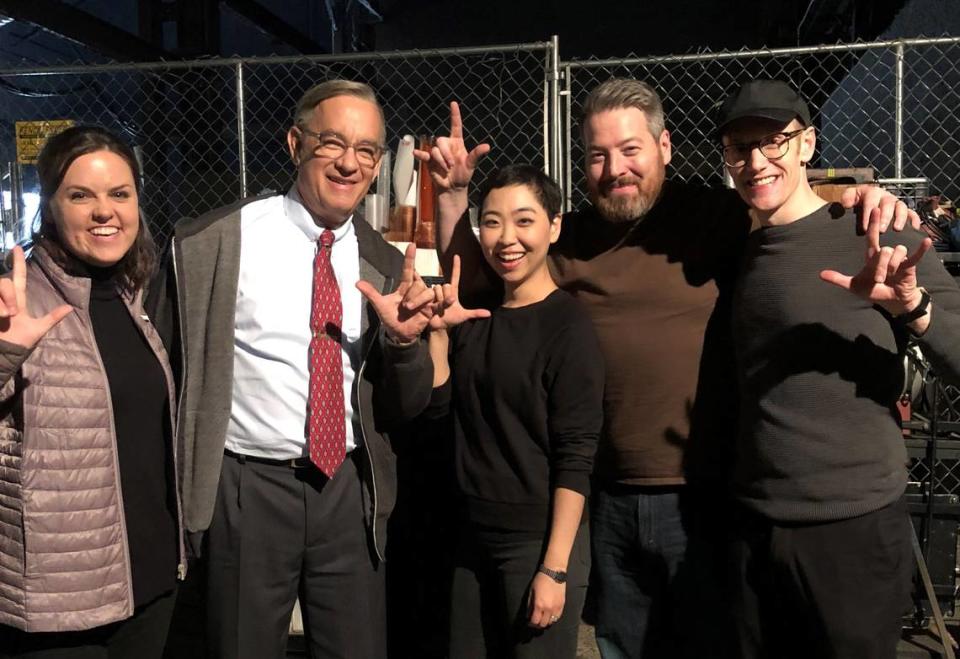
x: 141, y: 417
x: 820, y: 371
x: 527, y: 387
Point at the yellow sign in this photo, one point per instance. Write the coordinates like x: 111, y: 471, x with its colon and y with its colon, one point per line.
x: 32, y: 134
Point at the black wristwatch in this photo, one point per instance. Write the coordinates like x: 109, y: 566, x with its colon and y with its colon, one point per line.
x: 557, y: 575
x: 919, y: 311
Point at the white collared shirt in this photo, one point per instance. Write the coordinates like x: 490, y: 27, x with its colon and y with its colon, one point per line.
x: 271, y: 374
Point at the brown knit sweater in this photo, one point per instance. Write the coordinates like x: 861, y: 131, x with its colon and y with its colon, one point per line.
x: 650, y: 289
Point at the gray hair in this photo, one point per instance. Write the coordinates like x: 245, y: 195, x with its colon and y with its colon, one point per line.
x: 620, y: 93
x: 330, y: 89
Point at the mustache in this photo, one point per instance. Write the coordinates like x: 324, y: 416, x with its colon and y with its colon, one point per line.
x: 626, y: 179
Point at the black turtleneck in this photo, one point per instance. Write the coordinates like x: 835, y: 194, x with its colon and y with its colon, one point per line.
x: 142, y: 421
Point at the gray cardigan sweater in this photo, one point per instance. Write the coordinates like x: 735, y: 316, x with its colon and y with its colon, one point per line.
x: 193, y: 304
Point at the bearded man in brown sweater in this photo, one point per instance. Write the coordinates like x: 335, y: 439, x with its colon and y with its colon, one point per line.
x: 652, y: 261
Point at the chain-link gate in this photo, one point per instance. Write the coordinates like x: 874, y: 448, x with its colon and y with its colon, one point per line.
x: 889, y: 105
x: 209, y: 132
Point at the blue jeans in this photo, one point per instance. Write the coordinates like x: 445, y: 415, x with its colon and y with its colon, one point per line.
x: 659, y: 569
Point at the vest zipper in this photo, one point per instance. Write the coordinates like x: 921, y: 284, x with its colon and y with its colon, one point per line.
x: 182, y: 566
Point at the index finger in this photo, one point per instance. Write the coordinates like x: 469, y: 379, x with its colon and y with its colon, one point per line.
x: 409, y: 264
x: 455, y: 272
x: 456, y: 121
x: 20, y: 277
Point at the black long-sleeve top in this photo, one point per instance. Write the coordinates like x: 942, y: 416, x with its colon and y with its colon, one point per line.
x: 141, y: 417
x: 527, y: 394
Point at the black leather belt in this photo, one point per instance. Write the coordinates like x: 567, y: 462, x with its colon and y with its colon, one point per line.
x: 292, y: 463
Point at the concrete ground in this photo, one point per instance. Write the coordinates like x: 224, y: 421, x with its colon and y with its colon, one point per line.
x: 587, y: 644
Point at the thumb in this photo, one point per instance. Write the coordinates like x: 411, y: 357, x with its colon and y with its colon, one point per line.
x: 369, y: 291
x: 49, y: 321
x: 476, y: 313
x: 850, y: 197
x: 837, y: 278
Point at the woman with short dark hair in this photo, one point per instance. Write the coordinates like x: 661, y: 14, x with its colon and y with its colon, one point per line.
x: 90, y: 549
x: 525, y: 386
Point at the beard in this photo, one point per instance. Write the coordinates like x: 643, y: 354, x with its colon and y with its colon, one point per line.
x: 628, y: 208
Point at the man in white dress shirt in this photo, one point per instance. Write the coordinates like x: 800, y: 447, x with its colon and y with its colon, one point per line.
x: 238, y: 300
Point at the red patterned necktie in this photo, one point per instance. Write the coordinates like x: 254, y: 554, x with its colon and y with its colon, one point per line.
x: 326, y: 415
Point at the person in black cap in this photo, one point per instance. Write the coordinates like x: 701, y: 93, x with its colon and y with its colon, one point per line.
x: 822, y: 549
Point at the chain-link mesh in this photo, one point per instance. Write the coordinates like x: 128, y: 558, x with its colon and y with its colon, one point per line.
x: 183, y: 119
x: 852, y: 92
x: 940, y: 401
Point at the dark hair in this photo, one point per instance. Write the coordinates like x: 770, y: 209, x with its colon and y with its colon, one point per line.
x: 545, y: 188
x: 58, y: 153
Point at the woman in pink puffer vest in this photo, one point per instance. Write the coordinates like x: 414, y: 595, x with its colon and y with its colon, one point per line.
x: 90, y: 539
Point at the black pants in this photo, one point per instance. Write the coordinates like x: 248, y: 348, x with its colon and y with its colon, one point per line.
x: 828, y: 590
x: 279, y: 533
x: 141, y: 636
x: 491, y: 584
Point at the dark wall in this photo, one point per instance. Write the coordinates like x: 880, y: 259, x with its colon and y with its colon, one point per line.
x: 606, y: 29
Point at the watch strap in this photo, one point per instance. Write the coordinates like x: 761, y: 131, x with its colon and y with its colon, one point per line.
x: 557, y: 575
x: 919, y: 311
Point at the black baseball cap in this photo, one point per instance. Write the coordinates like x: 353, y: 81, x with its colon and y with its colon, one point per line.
x: 767, y: 99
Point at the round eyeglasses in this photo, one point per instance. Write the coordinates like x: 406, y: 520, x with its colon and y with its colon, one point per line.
x: 772, y: 147
x: 332, y: 145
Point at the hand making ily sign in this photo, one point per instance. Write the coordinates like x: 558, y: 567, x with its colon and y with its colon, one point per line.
x: 413, y: 306
x: 17, y: 326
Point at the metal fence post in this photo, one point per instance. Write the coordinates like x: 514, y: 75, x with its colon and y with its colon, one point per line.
x: 568, y: 173
x: 241, y: 131
x: 16, y: 197
x: 898, y: 112
x: 547, y: 145
x: 556, y: 159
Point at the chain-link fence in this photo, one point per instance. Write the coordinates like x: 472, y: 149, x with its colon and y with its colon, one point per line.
x: 210, y: 132
x: 888, y: 105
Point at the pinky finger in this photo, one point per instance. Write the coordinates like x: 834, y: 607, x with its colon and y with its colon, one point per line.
x: 49, y: 321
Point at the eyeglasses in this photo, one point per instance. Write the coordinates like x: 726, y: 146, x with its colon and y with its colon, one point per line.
x: 332, y: 145
x: 772, y: 147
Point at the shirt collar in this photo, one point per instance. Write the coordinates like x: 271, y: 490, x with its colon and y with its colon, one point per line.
x: 297, y: 212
